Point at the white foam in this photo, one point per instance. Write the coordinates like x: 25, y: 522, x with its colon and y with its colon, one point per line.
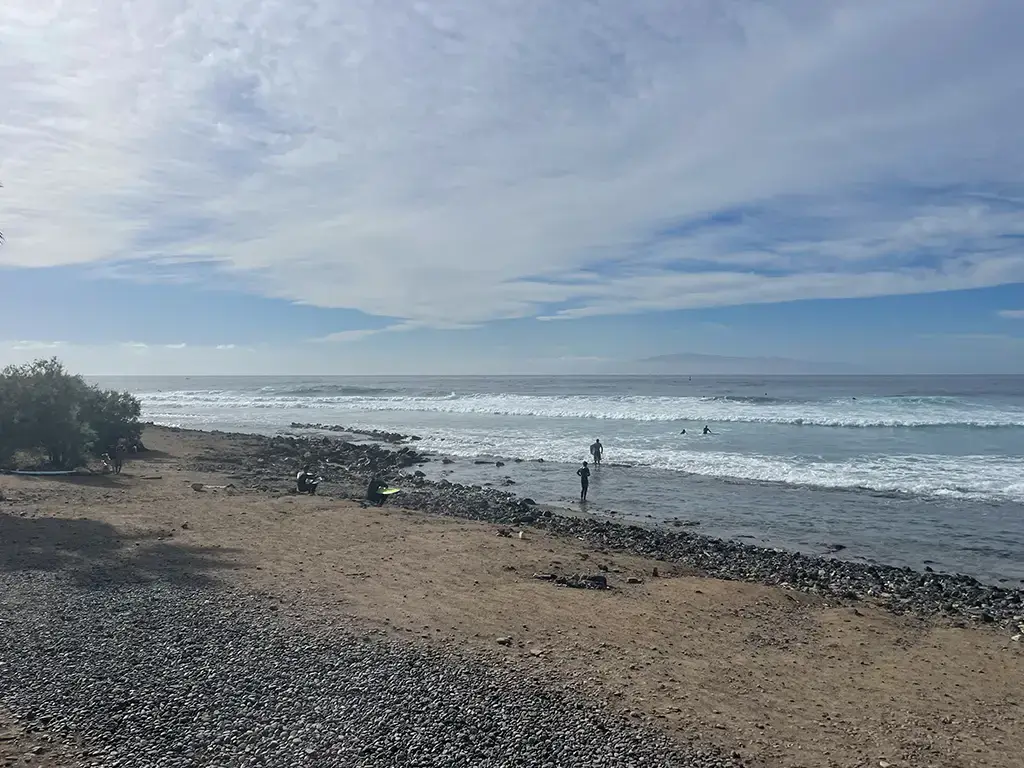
x: 876, y: 412
x: 995, y: 478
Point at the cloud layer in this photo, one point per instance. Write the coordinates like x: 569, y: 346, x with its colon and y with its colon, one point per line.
x: 448, y: 164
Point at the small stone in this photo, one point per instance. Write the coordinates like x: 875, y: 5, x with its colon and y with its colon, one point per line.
x: 634, y: 580
x: 504, y: 641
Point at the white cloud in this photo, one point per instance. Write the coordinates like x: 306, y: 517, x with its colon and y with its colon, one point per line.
x: 1012, y: 314
x: 36, y: 345
x: 447, y: 165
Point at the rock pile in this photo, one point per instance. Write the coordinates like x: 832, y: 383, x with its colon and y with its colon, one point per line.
x: 160, y: 675
x: 376, y: 434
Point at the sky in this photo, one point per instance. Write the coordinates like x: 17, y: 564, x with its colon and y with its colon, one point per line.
x: 510, y: 186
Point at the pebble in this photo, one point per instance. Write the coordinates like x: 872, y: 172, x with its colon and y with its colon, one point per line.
x: 167, y: 675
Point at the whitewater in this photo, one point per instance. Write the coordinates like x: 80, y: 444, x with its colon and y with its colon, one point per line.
x: 883, y: 462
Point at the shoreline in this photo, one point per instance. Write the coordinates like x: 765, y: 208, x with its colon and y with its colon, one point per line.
x: 900, y: 589
x: 765, y: 676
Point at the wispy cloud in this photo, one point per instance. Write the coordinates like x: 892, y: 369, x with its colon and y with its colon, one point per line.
x: 408, y: 325
x: 449, y: 165
x: 35, y: 345
x: 1012, y: 314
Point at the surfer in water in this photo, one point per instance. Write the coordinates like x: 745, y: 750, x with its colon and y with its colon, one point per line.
x: 597, y: 451
x: 707, y: 430
x: 584, y: 473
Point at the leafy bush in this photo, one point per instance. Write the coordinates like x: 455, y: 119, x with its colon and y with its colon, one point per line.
x: 46, y: 410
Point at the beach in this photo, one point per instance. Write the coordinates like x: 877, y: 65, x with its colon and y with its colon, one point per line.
x: 917, y: 471
x: 780, y: 665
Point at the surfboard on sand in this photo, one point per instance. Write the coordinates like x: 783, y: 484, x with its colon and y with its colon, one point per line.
x: 42, y: 472
x: 389, y: 491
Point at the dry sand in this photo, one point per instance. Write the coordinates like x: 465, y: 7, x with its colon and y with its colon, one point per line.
x: 780, y: 677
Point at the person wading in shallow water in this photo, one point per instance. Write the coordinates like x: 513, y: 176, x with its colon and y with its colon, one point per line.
x: 584, y: 473
x: 597, y: 451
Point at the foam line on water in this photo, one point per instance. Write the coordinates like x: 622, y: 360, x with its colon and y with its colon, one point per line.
x: 892, y: 412
x: 991, y: 478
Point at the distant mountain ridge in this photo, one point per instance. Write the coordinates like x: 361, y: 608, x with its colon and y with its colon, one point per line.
x: 696, y: 364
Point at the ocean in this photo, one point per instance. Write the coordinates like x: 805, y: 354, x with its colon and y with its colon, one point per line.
x: 915, y: 471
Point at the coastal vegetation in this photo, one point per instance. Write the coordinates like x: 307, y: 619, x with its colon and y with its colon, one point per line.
x: 54, y: 419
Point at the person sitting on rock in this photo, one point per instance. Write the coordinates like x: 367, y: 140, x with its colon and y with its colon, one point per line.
x: 305, y: 482
x: 373, y: 492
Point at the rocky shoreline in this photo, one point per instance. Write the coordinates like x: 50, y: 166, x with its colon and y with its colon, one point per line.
x: 268, y: 463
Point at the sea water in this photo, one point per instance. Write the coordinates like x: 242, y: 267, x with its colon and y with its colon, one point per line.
x: 903, y: 470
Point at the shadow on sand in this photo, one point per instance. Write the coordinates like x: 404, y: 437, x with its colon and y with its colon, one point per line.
x: 96, y: 555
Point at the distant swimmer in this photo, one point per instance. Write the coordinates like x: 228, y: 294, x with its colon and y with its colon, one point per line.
x: 597, y: 451
x: 707, y: 430
x: 584, y: 473
x: 683, y: 432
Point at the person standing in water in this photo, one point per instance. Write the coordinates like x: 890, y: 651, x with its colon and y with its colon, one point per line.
x: 584, y: 473
x: 707, y: 430
x: 597, y: 451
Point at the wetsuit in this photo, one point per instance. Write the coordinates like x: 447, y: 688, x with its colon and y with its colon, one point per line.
x: 304, y: 483
x: 584, y: 473
x: 373, y: 492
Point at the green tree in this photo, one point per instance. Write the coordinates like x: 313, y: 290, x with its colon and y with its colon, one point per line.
x: 46, y: 410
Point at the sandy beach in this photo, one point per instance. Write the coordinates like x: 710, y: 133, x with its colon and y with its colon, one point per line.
x: 774, y: 677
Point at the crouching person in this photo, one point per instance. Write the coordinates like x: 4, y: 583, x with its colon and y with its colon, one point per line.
x: 305, y: 482
x: 373, y: 492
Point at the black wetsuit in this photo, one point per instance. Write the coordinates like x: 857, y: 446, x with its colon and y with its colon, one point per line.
x: 306, y: 483
x: 373, y: 492
x: 584, y: 473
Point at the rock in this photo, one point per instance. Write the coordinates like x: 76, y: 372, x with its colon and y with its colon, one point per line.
x: 446, y: 460
x: 184, y: 526
x: 544, y: 576
x: 504, y: 641
x: 654, y: 572
x: 499, y: 463
x: 634, y: 580
x: 528, y: 501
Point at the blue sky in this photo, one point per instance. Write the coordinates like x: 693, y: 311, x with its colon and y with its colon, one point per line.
x: 323, y: 187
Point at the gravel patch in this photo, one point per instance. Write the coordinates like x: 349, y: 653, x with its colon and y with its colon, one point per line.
x: 170, y: 676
